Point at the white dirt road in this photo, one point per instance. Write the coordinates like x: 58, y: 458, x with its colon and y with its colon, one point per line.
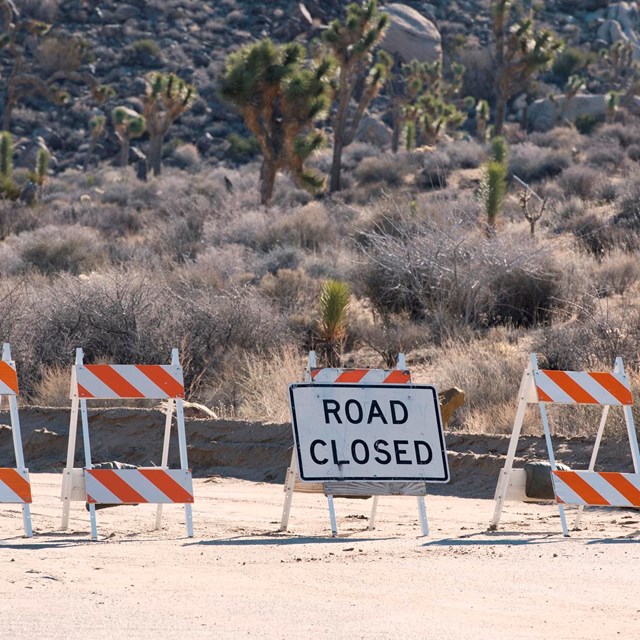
x: 238, y: 578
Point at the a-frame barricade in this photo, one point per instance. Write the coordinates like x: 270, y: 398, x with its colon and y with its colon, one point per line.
x: 293, y: 483
x: 153, y: 485
x: 573, y: 487
x: 15, y: 486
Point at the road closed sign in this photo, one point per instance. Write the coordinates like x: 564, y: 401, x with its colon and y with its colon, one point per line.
x: 368, y: 432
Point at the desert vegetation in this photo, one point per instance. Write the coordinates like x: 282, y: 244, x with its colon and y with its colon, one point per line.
x: 462, y: 249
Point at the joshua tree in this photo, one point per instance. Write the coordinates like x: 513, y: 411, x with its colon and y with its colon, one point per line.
x: 96, y: 127
x: 128, y: 124
x: 611, y: 106
x: 332, y: 326
x: 482, y: 119
x: 434, y: 109
x: 521, y: 50
x: 280, y: 98
x: 351, y: 43
x: 166, y: 98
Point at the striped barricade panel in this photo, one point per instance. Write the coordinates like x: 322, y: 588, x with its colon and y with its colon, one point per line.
x: 597, y: 489
x: 361, y: 376
x: 136, y: 486
x: 8, y: 379
x: 107, y: 381
x: 14, y: 486
x: 583, y: 387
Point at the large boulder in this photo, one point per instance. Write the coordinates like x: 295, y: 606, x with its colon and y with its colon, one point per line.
x: 543, y: 114
x: 410, y: 35
x: 374, y: 132
x: 622, y: 21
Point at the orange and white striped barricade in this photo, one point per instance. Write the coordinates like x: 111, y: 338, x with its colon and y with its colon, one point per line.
x: 331, y: 489
x: 155, y: 485
x: 573, y: 487
x: 15, y: 487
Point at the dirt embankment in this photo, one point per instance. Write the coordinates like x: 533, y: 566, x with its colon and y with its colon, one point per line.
x: 261, y: 452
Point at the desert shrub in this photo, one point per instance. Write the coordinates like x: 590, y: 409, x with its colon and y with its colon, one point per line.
x: 560, y: 138
x: 469, y: 364
x: 633, y: 151
x: 580, y: 181
x: 596, y: 235
x: 186, y: 156
x: 617, y: 274
x: 568, y: 62
x: 437, y: 272
x: 464, y: 154
x: 277, y: 258
x: 586, y: 123
x: 397, y: 334
x: 531, y: 163
x: 53, y: 249
x: 605, y: 153
x: 434, y: 174
x: 290, y: 289
x: 625, y: 134
x: 479, y: 75
x: 384, y: 170
x: 242, y: 148
x: 307, y: 227
x: 627, y: 213
x: 600, y: 333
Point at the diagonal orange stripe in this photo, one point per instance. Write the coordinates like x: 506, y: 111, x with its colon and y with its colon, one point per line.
x: 623, y: 486
x: 162, y: 379
x: 614, y: 387
x: 174, y: 491
x: 570, y: 387
x: 8, y: 375
x: 118, y: 384
x: 114, y: 482
x: 352, y: 375
x: 581, y: 487
x: 83, y: 393
x: 16, y: 482
x: 542, y: 396
x: 398, y: 377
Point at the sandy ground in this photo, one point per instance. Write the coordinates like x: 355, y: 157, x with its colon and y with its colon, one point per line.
x: 239, y: 578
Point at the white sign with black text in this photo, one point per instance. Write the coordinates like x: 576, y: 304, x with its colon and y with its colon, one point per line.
x: 368, y: 432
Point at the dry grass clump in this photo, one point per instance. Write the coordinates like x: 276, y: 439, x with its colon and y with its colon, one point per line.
x: 264, y: 384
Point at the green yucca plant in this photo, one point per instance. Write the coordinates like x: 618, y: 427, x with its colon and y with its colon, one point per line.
x: 493, y: 190
x: 332, y: 326
x: 6, y: 154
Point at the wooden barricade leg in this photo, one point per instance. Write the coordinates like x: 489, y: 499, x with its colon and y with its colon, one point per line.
x: 184, y: 464
x: 505, y: 472
x: 290, y: 482
x: 84, y: 418
x: 17, y: 449
x: 164, y: 462
x: 332, y: 516
x: 552, y: 461
x: 67, y: 477
x: 372, y: 517
x: 422, y: 510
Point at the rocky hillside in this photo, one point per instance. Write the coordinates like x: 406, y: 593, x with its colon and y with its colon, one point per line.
x: 124, y: 39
